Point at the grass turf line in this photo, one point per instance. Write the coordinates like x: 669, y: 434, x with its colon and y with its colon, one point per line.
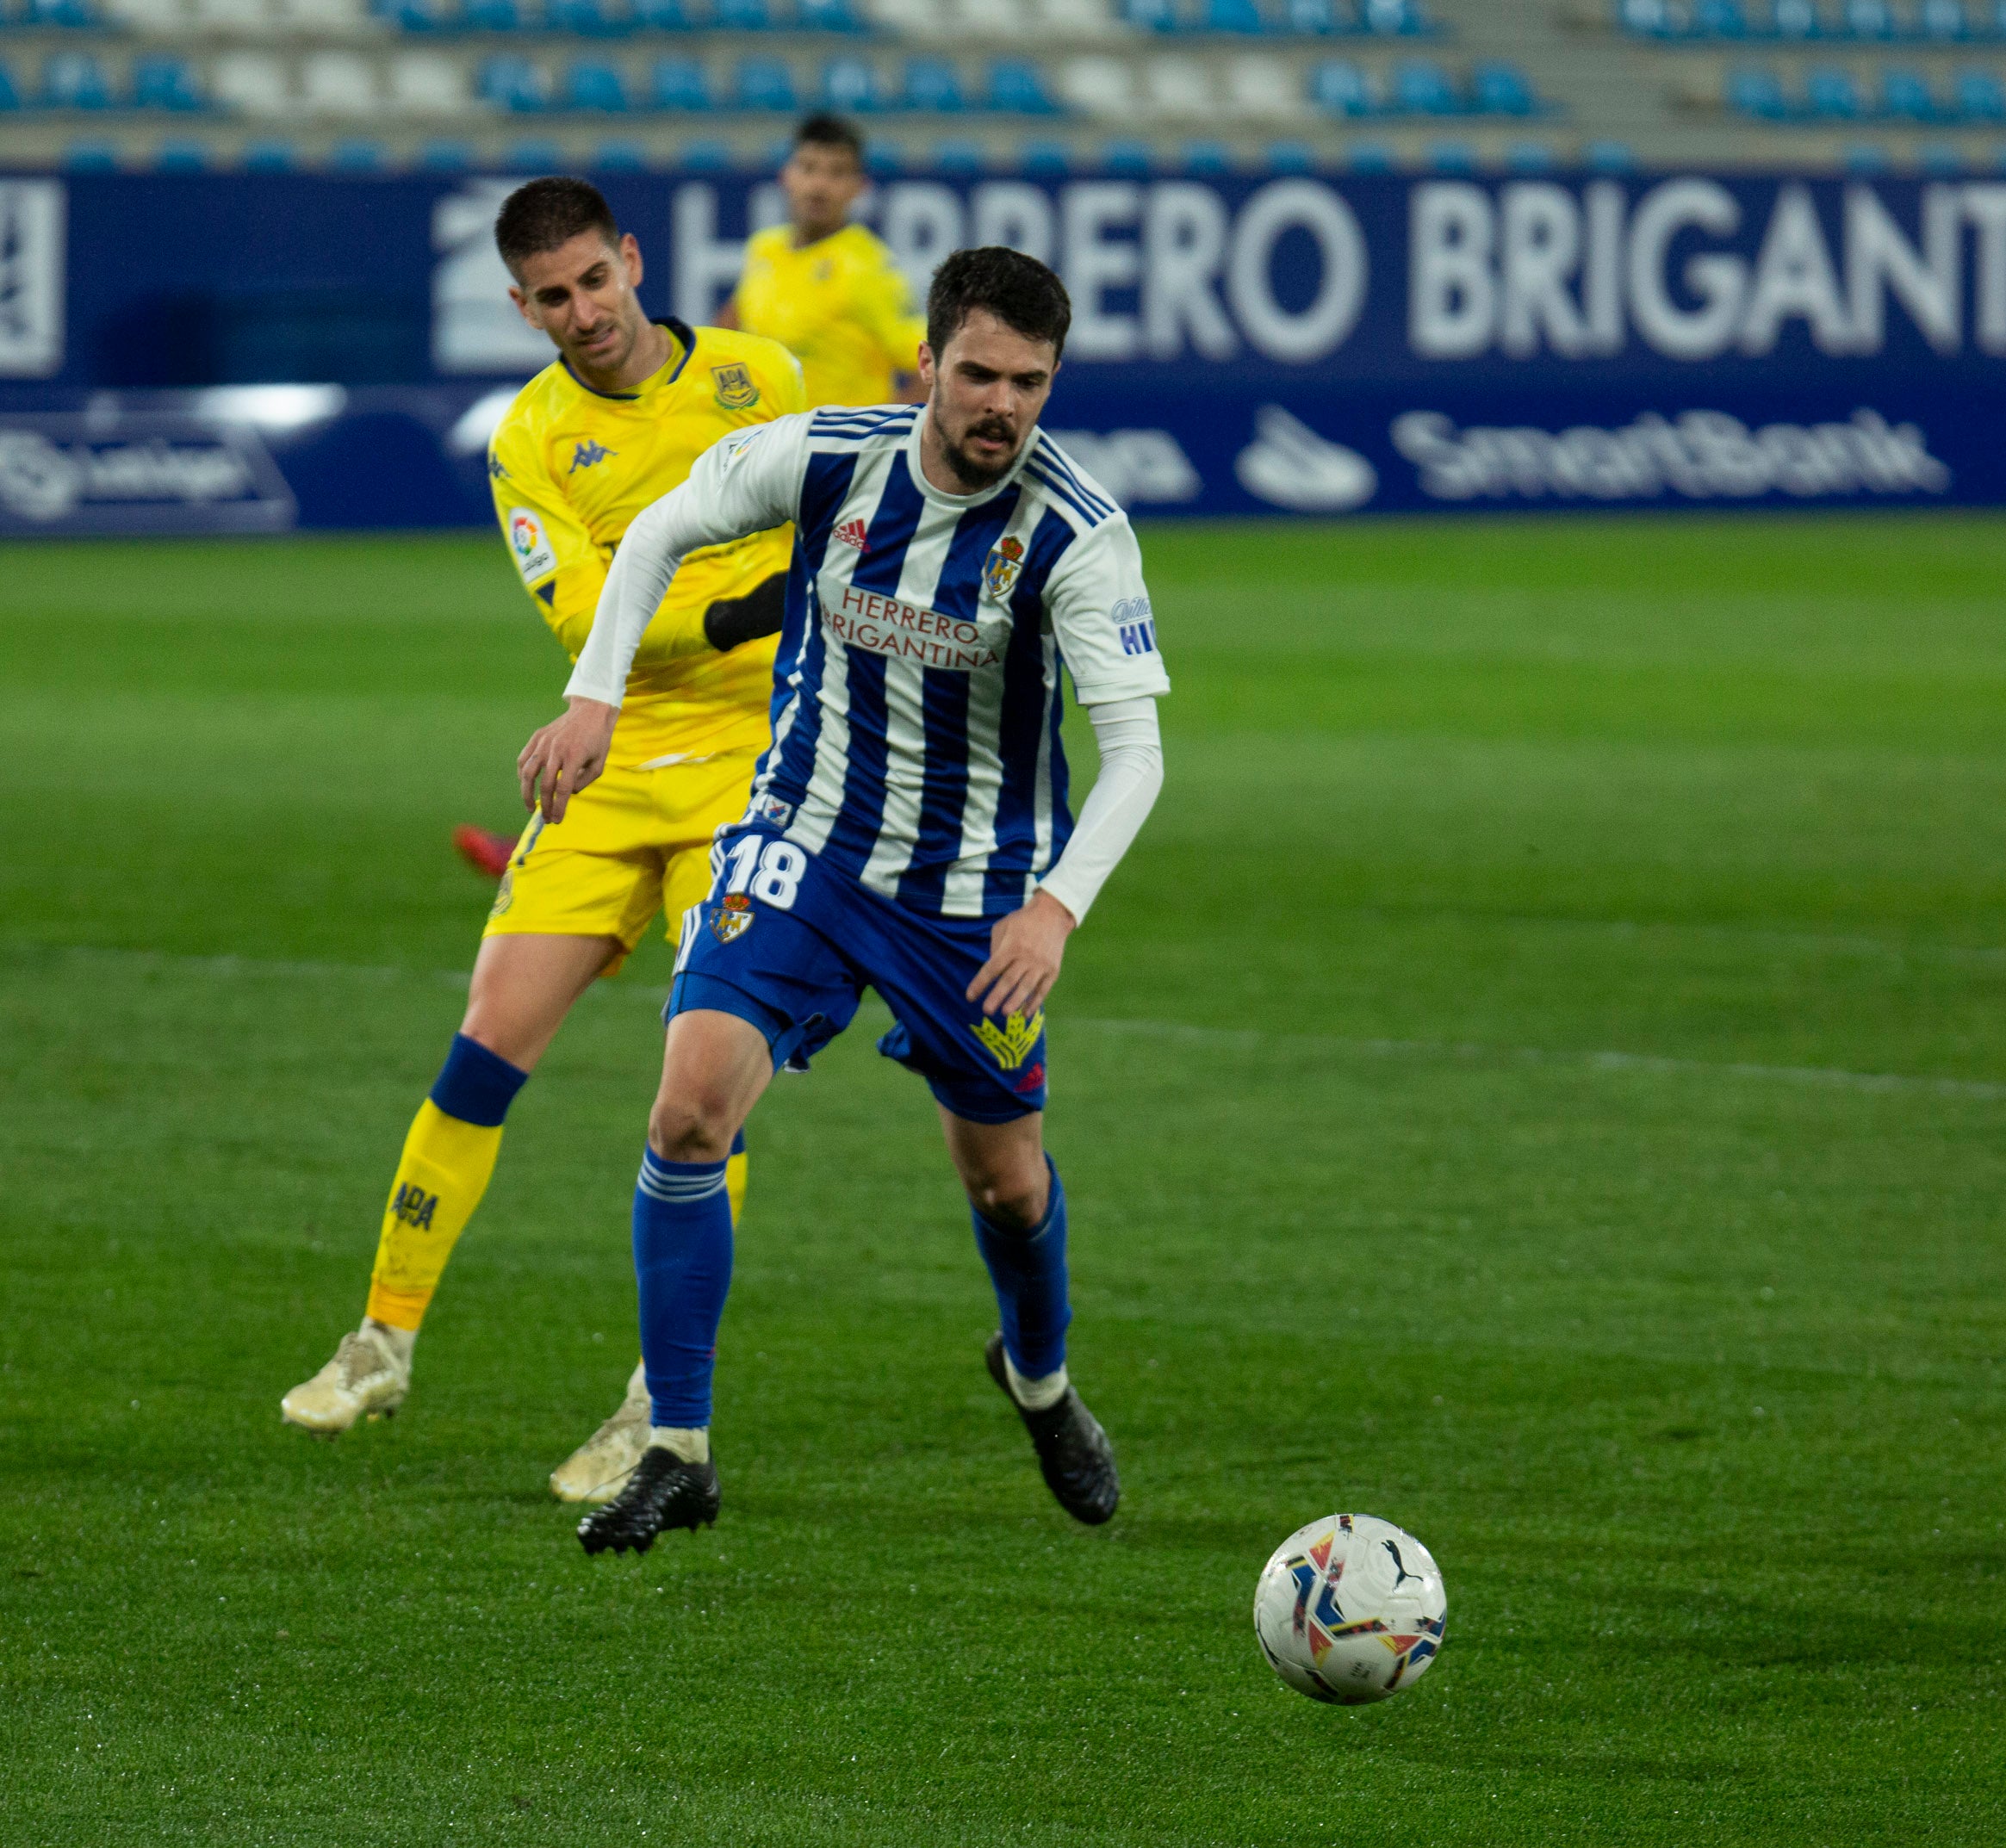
x: 1693, y: 1383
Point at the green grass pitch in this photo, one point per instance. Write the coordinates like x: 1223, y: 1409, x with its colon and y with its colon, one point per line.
x: 1540, y: 1078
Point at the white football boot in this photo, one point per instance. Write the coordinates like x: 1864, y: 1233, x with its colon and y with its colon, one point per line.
x: 368, y: 1378
x: 598, y: 1470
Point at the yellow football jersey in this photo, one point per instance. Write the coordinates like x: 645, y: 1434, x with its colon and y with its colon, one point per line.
x: 571, y: 467
x: 841, y: 306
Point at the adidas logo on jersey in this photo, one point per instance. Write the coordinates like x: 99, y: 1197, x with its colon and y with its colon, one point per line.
x: 853, y: 532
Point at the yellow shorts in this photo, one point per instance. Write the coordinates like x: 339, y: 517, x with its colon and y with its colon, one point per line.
x: 635, y: 842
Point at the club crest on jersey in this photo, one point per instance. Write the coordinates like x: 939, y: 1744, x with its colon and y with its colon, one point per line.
x: 735, y: 388
x: 772, y: 809
x: 1011, y: 1044
x: 732, y: 918
x: 853, y: 533
x: 1005, y: 566
x: 531, y: 545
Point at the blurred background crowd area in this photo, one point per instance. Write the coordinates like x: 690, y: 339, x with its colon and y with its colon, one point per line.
x: 1039, y: 87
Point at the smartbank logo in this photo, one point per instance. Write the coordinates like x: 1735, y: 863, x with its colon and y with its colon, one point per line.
x: 1700, y: 456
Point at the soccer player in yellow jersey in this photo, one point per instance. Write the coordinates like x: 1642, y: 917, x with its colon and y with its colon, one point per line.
x: 608, y: 429
x: 825, y: 288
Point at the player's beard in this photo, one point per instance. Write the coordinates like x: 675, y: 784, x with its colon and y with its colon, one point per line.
x: 976, y: 476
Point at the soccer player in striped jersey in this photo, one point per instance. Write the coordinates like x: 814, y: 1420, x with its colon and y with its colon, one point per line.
x: 907, y: 830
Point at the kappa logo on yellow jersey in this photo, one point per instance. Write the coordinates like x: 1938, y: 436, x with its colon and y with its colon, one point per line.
x: 736, y: 390
x: 588, y: 454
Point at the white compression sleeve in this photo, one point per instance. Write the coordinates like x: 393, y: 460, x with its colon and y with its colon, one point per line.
x: 1116, y: 806
x: 642, y: 569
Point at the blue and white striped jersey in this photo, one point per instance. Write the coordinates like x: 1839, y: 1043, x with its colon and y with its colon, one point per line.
x: 916, y: 694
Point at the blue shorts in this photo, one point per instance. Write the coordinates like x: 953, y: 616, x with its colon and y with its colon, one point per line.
x: 791, y: 946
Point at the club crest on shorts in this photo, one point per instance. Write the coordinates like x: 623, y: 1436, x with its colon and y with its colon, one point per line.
x: 1005, y: 566
x: 732, y: 918
x: 733, y: 386
x: 1011, y: 1044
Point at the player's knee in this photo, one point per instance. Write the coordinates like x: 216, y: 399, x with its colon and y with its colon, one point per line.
x: 691, y: 1125
x: 1008, y: 1194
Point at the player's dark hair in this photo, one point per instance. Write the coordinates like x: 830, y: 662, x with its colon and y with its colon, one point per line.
x: 549, y: 213
x: 1019, y: 290
x: 830, y: 131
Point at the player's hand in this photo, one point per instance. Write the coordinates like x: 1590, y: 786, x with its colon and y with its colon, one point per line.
x: 565, y: 756
x: 1025, y: 950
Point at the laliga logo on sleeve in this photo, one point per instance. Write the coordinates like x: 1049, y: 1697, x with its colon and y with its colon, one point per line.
x: 1006, y: 564
x: 533, y: 557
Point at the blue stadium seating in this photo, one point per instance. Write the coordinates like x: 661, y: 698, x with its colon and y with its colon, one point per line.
x: 827, y: 16
x: 425, y: 16
x: 1796, y: 19
x: 1941, y: 19
x: 1233, y: 15
x: 1530, y: 157
x: 1756, y: 93
x: 510, y: 82
x: 182, y: 156
x: 706, y: 156
x: 356, y: 156
x: 1422, y: 87
x: 1153, y: 15
x: 1130, y: 160
x: 589, y: 84
x: 270, y: 157
x: 1855, y: 22
x: 589, y: 19
x: 850, y: 86
x: 1719, y: 19
x: 160, y: 82
x: 90, y: 157
x: 1832, y: 95
x: 617, y: 157
x: 493, y: 15
x: 1311, y: 18
x: 1869, y: 19
x: 1450, y: 156
x: 74, y: 80
x: 962, y: 159
x: 765, y: 84
x: 1207, y: 158
x: 933, y: 84
x: 1647, y: 19
x: 882, y: 158
x: 1906, y: 96
x: 1980, y: 96
x: 534, y: 157
x: 74, y: 15
x: 1394, y: 18
x: 10, y: 97
x: 1290, y: 156
x: 1016, y: 88
x: 1500, y: 89
x: 443, y: 157
x: 1046, y: 160
x: 1369, y: 157
x: 1609, y: 156
x: 662, y: 16
x: 1342, y: 88
x: 741, y: 16
x: 681, y: 83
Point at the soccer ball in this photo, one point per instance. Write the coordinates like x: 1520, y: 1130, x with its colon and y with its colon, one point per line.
x: 1350, y: 1609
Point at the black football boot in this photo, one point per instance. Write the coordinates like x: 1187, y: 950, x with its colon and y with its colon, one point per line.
x: 664, y: 1492
x: 1073, y: 1451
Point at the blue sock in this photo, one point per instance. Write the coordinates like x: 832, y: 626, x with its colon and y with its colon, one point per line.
x: 1029, y: 1271
x: 682, y: 1261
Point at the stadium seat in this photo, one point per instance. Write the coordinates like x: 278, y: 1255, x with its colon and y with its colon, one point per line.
x: 589, y: 19
x: 1233, y: 15
x: 1864, y: 156
x: 425, y: 83
x: 1101, y: 86
x: 90, y: 157
x: 598, y: 87
x: 617, y: 157
x: 1261, y: 88
x: 706, y: 156
x: 493, y: 15
x: 534, y: 157
x: 1530, y: 157
x: 681, y: 83
x: 446, y: 157
x: 1178, y: 86
x: 827, y: 16
x: 1209, y: 158
x: 252, y: 83
x: 741, y: 16
x: 850, y: 86
x: 270, y: 157
x: 1941, y: 158
x: 72, y: 14
x: 883, y: 160
x: 1796, y: 19
x: 1980, y: 96
x: 1450, y: 156
x: 1719, y: 19
x: 1046, y: 160
x: 356, y: 156
x: 10, y: 97
x: 1393, y: 18
x: 964, y: 159
x: 1369, y: 157
x: 1310, y: 19
x: 765, y: 84
x: 182, y: 156
x: 1129, y: 158
x: 1016, y: 88
x: 74, y: 80
x: 1647, y: 19
x: 662, y: 16
x: 1342, y: 88
x: 1289, y: 156
x: 1757, y: 93
x: 1869, y: 19
x: 1422, y: 87
x: 1151, y: 16
x: 1942, y: 19
x: 1831, y: 94
x: 1497, y: 88
x: 1905, y: 95
x: 421, y: 17
x: 162, y: 82
x: 1609, y: 156
x: 510, y: 81
x: 932, y: 84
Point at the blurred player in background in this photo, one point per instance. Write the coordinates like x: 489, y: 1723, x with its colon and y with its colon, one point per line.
x: 608, y: 429
x: 829, y: 292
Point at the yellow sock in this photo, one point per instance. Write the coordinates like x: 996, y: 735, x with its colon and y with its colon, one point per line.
x: 441, y: 1177
x: 735, y: 1185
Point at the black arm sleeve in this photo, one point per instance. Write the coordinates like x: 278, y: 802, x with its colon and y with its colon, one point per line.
x: 732, y: 620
